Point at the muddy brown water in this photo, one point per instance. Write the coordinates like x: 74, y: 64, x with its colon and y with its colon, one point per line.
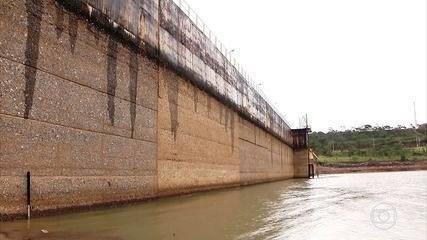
x: 391, y: 205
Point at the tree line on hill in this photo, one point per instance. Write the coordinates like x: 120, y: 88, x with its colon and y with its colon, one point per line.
x: 372, y: 142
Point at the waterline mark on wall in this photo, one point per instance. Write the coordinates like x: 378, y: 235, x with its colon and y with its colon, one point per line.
x: 383, y: 216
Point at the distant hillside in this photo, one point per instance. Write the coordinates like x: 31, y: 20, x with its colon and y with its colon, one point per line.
x: 370, y: 143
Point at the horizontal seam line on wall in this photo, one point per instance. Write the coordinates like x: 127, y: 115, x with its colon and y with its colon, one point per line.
x: 77, y: 176
x: 267, y: 170
x: 185, y: 161
x: 86, y: 130
x: 77, y: 83
x: 186, y: 134
x: 199, y: 112
x: 96, y: 169
x: 254, y: 143
x: 208, y: 115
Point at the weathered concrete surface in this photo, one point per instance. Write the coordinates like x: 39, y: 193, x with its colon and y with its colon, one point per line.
x: 102, y: 113
x: 301, y: 163
x: 164, y: 30
x: 78, y: 109
x: 198, y: 138
x: 262, y: 156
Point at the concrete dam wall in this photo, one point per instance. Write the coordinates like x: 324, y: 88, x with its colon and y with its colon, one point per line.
x: 117, y: 101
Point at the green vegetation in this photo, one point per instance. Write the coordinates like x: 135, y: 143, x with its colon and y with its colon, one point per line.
x: 370, y: 144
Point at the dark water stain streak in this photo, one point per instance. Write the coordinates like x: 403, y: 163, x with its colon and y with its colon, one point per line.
x: 209, y: 105
x: 133, y: 84
x: 172, y: 87
x: 271, y: 152
x: 111, y: 77
x: 92, y: 28
x: 220, y: 114
x: 34, y: 9
x: 59, y: 21
x: 232, y: 130
x: 73, y: 26
x: 196, y: 97
x: 226, y: 119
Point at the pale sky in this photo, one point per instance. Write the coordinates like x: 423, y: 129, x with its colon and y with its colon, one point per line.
x: 343, y: 62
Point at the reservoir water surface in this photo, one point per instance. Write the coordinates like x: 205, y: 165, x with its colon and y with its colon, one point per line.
x: 390, y: 205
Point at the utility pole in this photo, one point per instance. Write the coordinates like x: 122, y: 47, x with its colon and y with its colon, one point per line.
x: 415, y: 116
x: 417, y: 138
x: 306, y: 120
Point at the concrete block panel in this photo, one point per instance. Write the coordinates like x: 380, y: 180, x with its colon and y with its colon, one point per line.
x: 184, y: 57
x: 219, y: 113
x: 61, y: 102
x: 181, y: 177
x: 198, y: 67
x: 247, y: 130
x: 72, y: 49
x: 210, y: 77
x: 253, y: 157
x: 263, y: 138
x: 301, y: 163
x: 262, y: 157
x: 51, y: 150
x: 195, y: 109
x: 149, y: 27
x: 12, y: 97
x: 148, y: 83
x: 168, y: 46
x: 151, y: 7
x: 59, y: 192
x: 193, y: 133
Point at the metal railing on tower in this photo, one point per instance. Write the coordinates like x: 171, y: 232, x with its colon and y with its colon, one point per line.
x: 198, y: 22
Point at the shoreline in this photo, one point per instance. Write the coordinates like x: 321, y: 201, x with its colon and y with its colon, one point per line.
x: 385, y: 166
